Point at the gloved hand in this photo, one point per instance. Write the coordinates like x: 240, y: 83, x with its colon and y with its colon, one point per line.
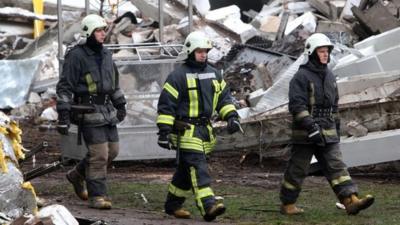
x: 63, y: 122
x: 121, y: 113
x: 233, y: 125
x: 315, y: 135
x: 164, y: 140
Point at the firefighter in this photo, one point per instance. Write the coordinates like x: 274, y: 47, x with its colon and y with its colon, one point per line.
x: 88, y: 95
x: 190, y: 96
x: 313, y: 103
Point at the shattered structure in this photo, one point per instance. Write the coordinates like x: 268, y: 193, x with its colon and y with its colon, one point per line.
x: 16, y: 196
x: 258, y: 50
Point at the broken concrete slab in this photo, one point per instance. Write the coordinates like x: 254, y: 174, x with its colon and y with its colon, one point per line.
x: 173, y: 12
x: 308, y: 21
x: 363, y: 150
x: 202, y: 6
x: 368, y: 18
x: 347, y: 14
x: 270, y: 27
x: 277, y: 95
x: 221, y: 14
x: 25, y: 14
x: 298, y: 7
x: 356, y: 129
x: 17, y: 77
x: 266, y: 11
x: 360, y: 83
x: 375, y: 55
x: 229, y: 19
x: 330, y: 9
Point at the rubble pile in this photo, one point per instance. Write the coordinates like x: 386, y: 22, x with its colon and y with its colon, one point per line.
x: 17, y: 197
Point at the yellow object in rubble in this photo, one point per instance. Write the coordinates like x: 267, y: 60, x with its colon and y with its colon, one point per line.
x: 38, y: 25
x: 28, y: 186
x: 3, y: 163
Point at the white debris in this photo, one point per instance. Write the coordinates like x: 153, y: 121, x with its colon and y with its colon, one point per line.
x: 12, y: 11
x: 307, y: 20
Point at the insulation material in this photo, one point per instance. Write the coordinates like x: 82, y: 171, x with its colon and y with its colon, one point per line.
x: 16, y: 196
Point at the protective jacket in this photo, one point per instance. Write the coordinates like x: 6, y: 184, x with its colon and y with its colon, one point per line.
x: 192, y: 95
x: 90, y: 78
x: 313, y: 98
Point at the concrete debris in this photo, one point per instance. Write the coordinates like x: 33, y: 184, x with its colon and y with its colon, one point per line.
x: 229, y: 18
x: 258, y: 59
x: 307, y: 21
x: 17, y: 76
x: 355, y: 129
x: 202, y: 6
x: 173, y: 12
x: 368, y: 21
x: 375, y: 54
x: 23, y: 13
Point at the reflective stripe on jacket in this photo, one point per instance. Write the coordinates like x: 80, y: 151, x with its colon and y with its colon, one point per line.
x: 194, y: 93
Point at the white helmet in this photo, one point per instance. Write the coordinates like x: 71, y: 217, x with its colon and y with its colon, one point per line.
x: 196, y: 40
x: 315, y: 41
x: 92, y: 22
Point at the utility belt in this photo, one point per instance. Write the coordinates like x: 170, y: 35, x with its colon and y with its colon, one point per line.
x: 101, y: 99
x: 322, y: 112
x: 197, y: 121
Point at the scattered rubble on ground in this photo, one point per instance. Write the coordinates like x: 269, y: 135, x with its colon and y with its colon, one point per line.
x: 258, y: 51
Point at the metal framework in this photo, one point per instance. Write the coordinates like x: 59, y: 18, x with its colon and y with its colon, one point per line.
x: 159, y: 52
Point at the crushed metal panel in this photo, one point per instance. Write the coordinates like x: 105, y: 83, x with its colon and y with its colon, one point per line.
x: 16, y: 79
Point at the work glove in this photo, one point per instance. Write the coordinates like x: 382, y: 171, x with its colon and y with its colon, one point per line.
x: 233, y: 125
x: 315, y: 135
x: 164, y: 140
x: 121, y: 112
x: 63, y: 122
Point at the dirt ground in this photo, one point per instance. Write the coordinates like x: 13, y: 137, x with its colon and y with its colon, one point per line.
x: 227, y: 169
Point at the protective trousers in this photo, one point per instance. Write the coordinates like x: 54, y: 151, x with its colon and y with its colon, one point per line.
x: 191, y: 176
x: 331, y: 163
x: 103, y: 147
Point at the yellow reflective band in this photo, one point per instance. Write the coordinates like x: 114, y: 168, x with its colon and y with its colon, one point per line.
x: 340, y: 180
x: 288, y: 185
x: 91, y: 84
x: 205, y: 192
x: 196, y: 190
x: 223, y: 85
x: 329, y: 132
x: 193, y: 97
x: 15, y: 135
x: 171, y: 90
x: 312, y: 93
x: 178, y: 192
x: 166, y: 119
x: 226, y: 109
x: 189, y: 132
x: 299, y: 116
x: 217, y: 92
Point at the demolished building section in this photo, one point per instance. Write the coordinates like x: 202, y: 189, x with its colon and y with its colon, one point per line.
x: 257, y: 57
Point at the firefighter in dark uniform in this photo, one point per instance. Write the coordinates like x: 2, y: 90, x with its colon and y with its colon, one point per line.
x: 90, y: 80
x: 313, y: 102
x: 190, y: 96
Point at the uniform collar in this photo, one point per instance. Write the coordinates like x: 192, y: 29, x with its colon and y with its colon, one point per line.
x: 91, y: 52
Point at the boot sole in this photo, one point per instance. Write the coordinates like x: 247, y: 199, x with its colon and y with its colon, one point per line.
x: 367, y: 204
x: 77, y: 194
x: 217, y: 212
